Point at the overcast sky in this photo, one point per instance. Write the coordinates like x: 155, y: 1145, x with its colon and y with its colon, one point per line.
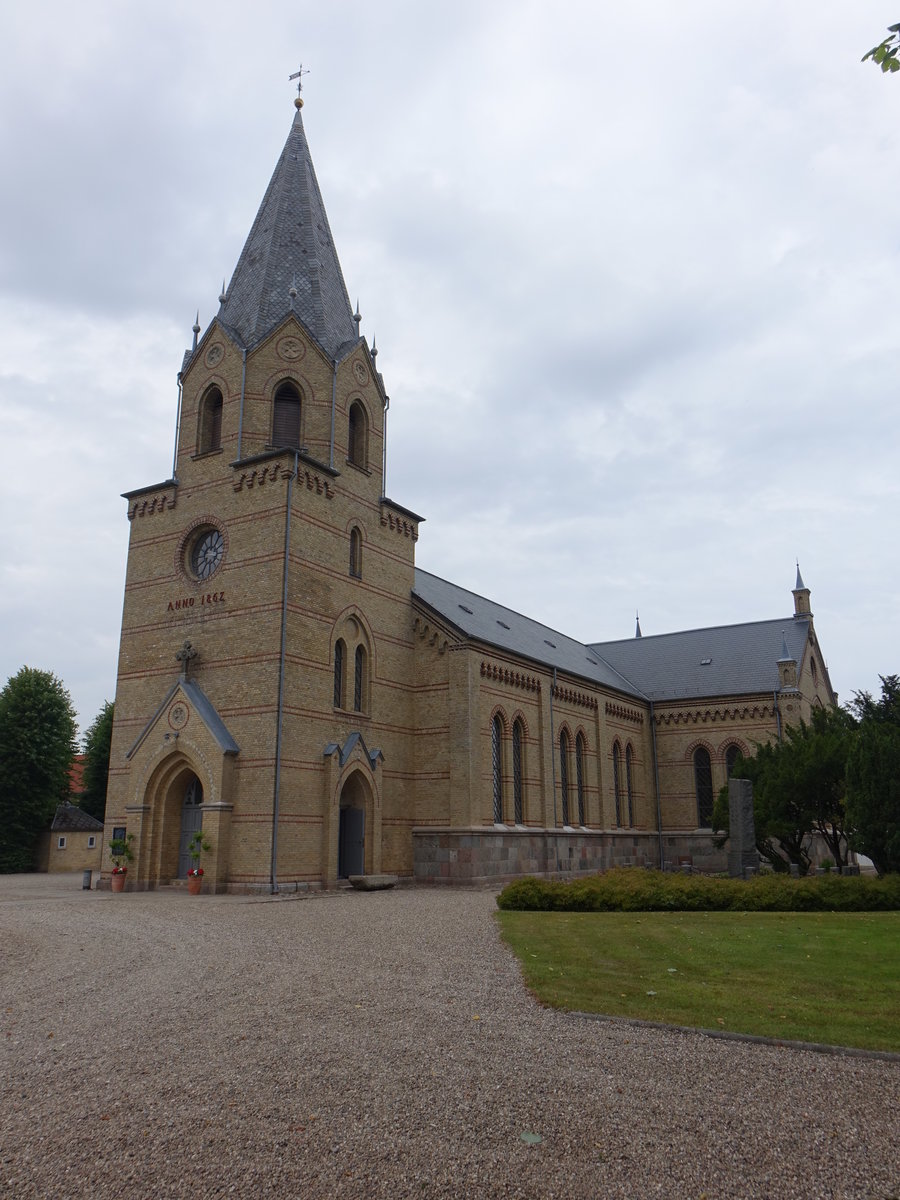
x: 632, y: 271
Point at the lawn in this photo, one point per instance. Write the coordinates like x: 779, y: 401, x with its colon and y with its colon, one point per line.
x: 815, y: 977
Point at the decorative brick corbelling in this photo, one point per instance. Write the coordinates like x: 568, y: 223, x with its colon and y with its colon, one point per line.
x: 620, y: 713
x: 518, y: 679
x: 400, y: 525
x: 579, y: 699
x: 696, y: 716
x: 427, y: 633
x: 274, y: 472
x: 146, y: 506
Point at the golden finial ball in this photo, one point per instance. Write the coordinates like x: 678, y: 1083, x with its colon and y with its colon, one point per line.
x: 298, y: 103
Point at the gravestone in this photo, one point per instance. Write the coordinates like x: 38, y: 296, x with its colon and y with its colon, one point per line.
x: 742, y: 852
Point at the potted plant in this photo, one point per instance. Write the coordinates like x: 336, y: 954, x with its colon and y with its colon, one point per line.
x: 122, y: 854
x: 196, y: 846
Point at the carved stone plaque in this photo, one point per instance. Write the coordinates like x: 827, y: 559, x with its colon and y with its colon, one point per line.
x: 291, y: 349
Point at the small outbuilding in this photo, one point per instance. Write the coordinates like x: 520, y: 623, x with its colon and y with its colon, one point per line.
x: 74, y: 841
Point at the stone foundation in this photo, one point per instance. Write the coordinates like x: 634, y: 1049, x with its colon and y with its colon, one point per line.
x: 498, y: 855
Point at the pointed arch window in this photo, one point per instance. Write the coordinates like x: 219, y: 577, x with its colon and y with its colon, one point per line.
x: 286, y: 417
x: 579, y: 776
x: 357, y: 435
x: 629, y: 782
x: 564, y: 774
x: 356, y: 553
x: 732, y: 754
x: 518, y: 751
x: 617, y: 781
x: 703, y: 786
x: 359, y: 679
x: 497, y: 768
x: 210, y: 434
x: 340, y: 654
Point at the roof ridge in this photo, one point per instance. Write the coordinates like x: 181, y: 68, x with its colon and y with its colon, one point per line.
x: 649, y: 637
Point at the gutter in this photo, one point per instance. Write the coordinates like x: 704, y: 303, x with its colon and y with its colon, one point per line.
x: 276, y: 799
x: 387, y: 405
x: 333, y: 403
x: 241, y: 411
x: 177, y: 428
x: 777, y: 716
x: 659, y: 831
x: 553, y: 748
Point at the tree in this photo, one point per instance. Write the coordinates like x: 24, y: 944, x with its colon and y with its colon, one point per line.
x: 96, y: 762
x: 887, y: 53
x: 37, y: 744
x: 873, y: 776
x: 799, y: 787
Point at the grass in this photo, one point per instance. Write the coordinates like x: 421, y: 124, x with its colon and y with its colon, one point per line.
x: 815, y: 977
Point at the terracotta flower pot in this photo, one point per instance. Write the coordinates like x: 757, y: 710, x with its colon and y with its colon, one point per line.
x: 118, y: 881
x: 195, y: 883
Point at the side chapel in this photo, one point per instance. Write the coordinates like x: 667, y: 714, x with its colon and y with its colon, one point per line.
x: 292, y: 684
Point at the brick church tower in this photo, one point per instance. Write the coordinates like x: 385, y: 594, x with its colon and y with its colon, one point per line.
x: 266, y: 615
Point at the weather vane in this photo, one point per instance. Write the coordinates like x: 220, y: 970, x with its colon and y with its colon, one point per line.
x: 298, y: 75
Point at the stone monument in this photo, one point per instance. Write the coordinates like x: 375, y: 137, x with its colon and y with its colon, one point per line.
x: 743, y: 857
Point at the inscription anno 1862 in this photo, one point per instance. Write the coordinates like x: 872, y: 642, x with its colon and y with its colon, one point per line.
x: 201, y: 601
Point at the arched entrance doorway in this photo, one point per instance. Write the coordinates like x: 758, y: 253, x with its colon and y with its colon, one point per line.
x: 191, y: 822
x: 352, y: 827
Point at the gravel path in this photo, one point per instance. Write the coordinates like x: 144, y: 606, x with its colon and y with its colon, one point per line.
x: 379, y: 1045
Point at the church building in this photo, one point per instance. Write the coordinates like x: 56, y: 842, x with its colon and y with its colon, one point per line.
x: 292, y: 685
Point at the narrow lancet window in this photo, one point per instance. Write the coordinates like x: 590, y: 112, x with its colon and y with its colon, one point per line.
x: 497, y: 768
x: 286, y: 417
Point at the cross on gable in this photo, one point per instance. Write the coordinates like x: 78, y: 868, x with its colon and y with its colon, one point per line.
x: 184, y: 656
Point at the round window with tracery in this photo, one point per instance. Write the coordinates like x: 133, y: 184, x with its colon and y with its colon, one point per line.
x: 206, y: 553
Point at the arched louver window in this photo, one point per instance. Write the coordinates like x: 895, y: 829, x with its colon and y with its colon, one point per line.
x: 518, y: 749
x: 703, y: 786
x: 339, y: 653
x: 579, y: 776
x: 629, y: 782
x: 359, y: 679
x: 210, y: 422
x: 356, y: 553
x: 617, y: 781
x: 286, y: 418
x: 357, y: 435
x: 564, y: 775
x: 732, y: 754
x: 497, y: 768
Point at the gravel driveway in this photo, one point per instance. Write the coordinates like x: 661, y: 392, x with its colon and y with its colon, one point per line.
x: 379, y: 1045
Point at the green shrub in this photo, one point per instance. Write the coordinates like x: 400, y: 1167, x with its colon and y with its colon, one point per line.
x: 633, y: 889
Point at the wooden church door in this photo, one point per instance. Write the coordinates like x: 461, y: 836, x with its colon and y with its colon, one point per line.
x: 191, y: 823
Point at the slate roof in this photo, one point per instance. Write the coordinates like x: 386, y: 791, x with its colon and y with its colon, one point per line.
x: 506, y: 629
x: 290, y: 246
x: 71, y: 819
x: 725, y: 660
x: 205, y: 710
x: 742, y: 658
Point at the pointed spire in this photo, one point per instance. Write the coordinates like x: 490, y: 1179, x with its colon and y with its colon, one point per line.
x: 196, y: 330
x: 801, y: 597
x: 290, y: 249
x: 637, y: 625
x: 374, y: 350
x: 357, y: 316
x: 223, y: 293
x: 786, y: 655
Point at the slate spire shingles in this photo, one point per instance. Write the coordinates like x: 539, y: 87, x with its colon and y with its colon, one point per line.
x: 289, y: 262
